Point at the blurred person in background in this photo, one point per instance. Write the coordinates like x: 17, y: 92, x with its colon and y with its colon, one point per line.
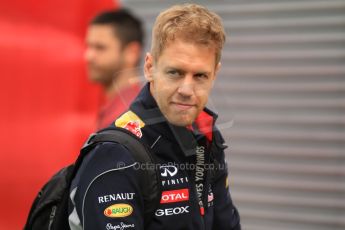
x: 114, y: 43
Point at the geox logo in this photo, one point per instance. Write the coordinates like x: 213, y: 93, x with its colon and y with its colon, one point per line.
x: 172, y: 211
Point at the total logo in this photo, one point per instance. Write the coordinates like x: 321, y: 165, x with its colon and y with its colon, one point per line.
x: 172, y: 211
x: 118, y: 210
x: 173, y: 196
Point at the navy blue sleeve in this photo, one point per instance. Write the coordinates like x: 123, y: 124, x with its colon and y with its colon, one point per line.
x: 226, y: 216
x: 108, y: 193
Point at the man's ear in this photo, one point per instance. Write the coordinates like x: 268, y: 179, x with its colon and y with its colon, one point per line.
x: 148, y: 67
x: 132, y: 54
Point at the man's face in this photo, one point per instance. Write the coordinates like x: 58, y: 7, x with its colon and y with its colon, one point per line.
x: 103, y: 53
x: 181, y: 80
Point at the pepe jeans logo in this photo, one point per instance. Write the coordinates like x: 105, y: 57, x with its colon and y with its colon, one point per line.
x: 120, y: 226
x: 168, y: 169
x: 118, y: 210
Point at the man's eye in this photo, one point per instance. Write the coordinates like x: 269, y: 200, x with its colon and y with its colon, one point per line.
x: 201, y: 76
x: 173, y: 73
x: 99, y: 47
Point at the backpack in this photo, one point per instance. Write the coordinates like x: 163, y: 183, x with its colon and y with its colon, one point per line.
x: 49, y: 210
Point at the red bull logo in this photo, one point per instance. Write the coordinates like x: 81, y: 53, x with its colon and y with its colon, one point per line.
x: 131, y: 122
x: 134, y: 127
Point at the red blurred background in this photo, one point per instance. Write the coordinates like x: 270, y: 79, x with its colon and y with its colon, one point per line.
x: 48, y: 107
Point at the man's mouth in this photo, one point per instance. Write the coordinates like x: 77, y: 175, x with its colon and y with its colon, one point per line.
x: 182, y: 106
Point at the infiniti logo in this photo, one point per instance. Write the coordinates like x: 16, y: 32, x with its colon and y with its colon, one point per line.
x: 168, y: 169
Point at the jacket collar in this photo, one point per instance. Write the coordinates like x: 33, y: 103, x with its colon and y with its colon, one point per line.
x: 147, y: 109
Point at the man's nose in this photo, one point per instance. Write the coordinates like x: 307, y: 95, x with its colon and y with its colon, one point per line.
x: 186, y: 88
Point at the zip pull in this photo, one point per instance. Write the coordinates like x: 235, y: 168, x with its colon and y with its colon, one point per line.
x: 202, y: 211
x: 52, y: 216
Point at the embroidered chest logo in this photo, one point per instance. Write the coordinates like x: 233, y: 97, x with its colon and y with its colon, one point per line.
x: 168, y: 169
x: 169, y: 173
x: 173, y: 196
x: 115, y: 197
x: 120, y: 226
x: 131, y: 122
x: 172, y: 211
x: 134, y: 127
x: 118, y: 210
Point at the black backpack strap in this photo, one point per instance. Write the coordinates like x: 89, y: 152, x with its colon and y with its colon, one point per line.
x: 50, y: 208
x: 148, y: 175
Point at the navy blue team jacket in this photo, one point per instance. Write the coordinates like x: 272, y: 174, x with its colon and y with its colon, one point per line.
x: 106, y: 193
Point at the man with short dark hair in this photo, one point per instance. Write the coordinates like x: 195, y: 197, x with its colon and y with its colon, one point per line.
x: 114, y: 43
x: 169, y: 116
